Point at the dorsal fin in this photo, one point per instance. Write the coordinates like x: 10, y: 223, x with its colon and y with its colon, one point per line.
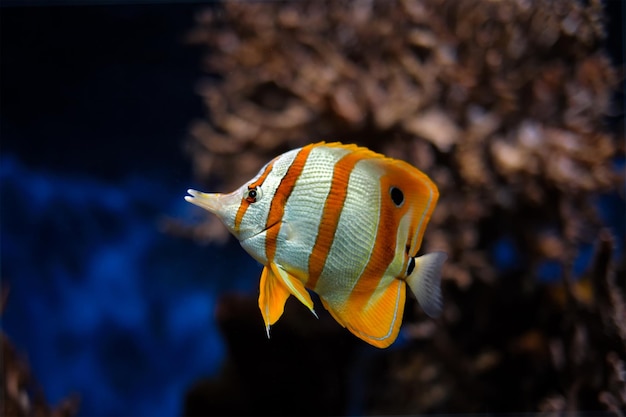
x: 364, y: 152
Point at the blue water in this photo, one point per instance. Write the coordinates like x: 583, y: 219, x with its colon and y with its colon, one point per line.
x: 102, y: 302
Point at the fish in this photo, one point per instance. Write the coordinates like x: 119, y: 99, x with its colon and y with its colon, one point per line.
x: 343, y: 222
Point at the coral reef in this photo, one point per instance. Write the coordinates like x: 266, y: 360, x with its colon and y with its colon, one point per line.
x: 504, y: 105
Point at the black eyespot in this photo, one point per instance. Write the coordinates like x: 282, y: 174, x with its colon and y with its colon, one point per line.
x: 411, y: 266
x: 397, y: 196
x: 253, y: 195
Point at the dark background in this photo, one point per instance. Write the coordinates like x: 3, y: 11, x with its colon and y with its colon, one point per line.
x: 99, y: 89
x: 96, y: 102
x: 95, y: 106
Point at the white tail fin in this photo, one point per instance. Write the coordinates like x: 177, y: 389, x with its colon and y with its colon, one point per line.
x: 425, y: 281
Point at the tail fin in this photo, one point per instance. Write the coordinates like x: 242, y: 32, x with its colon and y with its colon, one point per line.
x: 425, y: 280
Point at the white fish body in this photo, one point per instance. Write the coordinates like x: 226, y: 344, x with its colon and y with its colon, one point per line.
x: 344, y: 222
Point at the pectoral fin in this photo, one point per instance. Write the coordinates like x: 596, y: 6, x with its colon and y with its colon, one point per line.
x: 275, y: 288
x: 374, y: 318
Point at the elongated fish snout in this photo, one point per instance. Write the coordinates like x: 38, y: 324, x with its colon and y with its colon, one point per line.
x: 210, y: 202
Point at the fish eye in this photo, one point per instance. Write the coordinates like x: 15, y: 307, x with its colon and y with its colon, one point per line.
x: 397, y: 196
x: 252, y: 195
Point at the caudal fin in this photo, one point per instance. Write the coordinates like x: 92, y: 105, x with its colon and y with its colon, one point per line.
x: 425, y: 282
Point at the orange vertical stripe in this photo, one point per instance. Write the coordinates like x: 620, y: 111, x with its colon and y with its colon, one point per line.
x: 240, y: 212
x: 263, y: 176
x: 427, y: 191
x: 383, y: 253
x: 330, y: 216
x: 284, y: 190
x: 245, y: 204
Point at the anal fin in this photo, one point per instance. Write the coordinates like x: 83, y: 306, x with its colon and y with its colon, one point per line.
x: 373, y: 317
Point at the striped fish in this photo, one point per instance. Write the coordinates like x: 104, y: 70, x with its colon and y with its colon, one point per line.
x: 344, y: 222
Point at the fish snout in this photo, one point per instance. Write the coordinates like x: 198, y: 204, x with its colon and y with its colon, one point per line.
x: 207, y: 201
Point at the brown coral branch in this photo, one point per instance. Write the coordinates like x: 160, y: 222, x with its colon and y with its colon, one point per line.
x: 503, y: 105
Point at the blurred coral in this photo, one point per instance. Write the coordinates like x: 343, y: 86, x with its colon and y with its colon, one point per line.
x: 501, y: 104
x: 504, y: 105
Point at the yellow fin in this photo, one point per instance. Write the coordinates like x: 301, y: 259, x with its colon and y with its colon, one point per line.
x: 379, y: 322
x: 294, y: 286
x: 275, y: 288
x: 272, y: 297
